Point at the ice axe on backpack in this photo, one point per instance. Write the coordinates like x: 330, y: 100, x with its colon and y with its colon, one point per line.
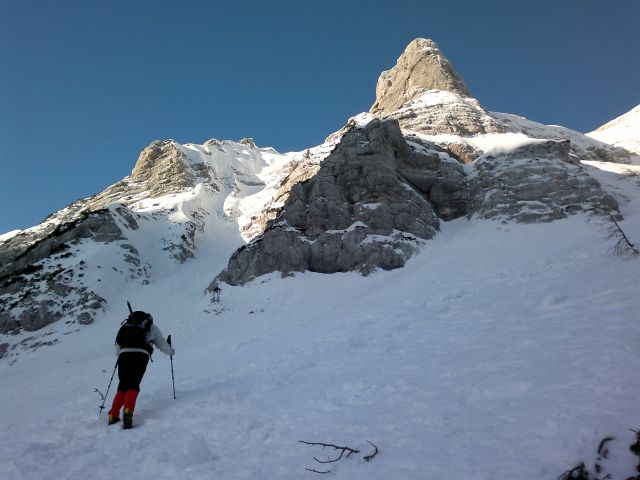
x: 173, y: 382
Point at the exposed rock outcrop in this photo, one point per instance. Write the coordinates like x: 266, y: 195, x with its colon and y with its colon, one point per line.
x: 582, y: 146
x: 538, y: 182
x: 297, y: 172
x: 377, y: 197
x: 163, y: 168
x: 42, y: 282
x: 446, y: 113
x: 372, y: 202
x: 22, y: 251
x: 425, y: 94
x: 421, y: 67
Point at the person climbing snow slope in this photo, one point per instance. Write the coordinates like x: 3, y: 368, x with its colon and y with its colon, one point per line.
x: 134, y: 347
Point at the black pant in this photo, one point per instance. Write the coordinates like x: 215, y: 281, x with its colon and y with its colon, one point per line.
x: 131, y: 368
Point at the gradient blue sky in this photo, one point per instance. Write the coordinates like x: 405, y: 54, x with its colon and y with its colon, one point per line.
x: 86, y: 85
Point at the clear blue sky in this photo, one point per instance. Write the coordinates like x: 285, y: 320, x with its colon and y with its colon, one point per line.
x: 86, y: 85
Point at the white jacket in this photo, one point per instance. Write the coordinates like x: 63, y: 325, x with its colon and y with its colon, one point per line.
x: 154, y: 336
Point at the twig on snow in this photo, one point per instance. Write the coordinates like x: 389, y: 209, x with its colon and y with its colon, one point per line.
x: 623, y: 244
x: 368, y: 458
x: 316, y: 471
x: 99, y: 393
x: 569, y: 473
x: 324, y: 445
x: 602, y: 450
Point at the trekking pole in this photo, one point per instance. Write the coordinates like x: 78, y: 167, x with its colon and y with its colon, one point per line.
x: 104, y: 399
x: 129, y: 305
x: 172, y: 379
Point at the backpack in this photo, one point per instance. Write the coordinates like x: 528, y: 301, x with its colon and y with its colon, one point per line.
x: 133, y: 333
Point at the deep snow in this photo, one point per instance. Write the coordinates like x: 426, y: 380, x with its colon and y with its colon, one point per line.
x: 501, y: 351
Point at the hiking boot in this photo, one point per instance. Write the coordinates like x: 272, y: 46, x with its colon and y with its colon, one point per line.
x: 113, y: 419
x: 127, y: 419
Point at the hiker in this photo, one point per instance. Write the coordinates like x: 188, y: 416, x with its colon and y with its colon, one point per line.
x: 134, y: 348
x: 216, y: 294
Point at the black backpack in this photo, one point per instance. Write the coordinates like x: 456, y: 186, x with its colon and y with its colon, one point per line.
x: 133, y: 333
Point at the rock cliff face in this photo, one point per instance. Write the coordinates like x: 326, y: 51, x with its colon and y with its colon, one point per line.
x: 377, y: 197
x: 163, y: 169
x: 44, y: 270
x: 446, y: 113
x: 383, y: 191
x: 367, y: 207
x: 537, y: 182
x: 44, y: 282
x: 421, y: 67
x: 160, y: 170
x: 425, y: 94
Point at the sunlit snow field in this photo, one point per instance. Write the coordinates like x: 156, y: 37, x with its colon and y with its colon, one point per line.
x: 500, y: 351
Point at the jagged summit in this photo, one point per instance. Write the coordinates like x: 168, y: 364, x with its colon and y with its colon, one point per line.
x: 421, y: 67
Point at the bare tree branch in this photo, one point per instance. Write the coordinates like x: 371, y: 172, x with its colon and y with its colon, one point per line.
x: 602, y: 450
x: 581, y: 469
x: 99, y: 393
x: 348, y: 450
x: 316, y: 471
x: 368, y: 458
x: 623, y: 244
x: 324, y: 445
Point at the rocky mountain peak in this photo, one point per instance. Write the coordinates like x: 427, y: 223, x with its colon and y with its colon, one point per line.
x: 421, y: 67
x: 164, y: 167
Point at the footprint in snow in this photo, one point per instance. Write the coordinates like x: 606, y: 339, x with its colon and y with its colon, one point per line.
x: 553, y: 301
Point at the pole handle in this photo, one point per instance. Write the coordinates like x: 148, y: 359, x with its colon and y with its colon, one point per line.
x: 169, y: 340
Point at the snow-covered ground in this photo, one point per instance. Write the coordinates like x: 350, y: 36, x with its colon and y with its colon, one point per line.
x: 621, y: 131
x: 501, y: 351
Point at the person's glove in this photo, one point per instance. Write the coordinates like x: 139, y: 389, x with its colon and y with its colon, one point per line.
x: 172, y: 352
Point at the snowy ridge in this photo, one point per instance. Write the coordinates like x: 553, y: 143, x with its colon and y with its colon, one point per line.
x: 491, y: 130
x: 586, y: 147
x: 461, y: 125
x: 623, y: 131
x: 9, y: 235
x: 147, y: 237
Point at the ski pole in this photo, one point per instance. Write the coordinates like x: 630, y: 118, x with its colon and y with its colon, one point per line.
x: 173, y: 382
x: 106, y: 394
x: 129, y: 305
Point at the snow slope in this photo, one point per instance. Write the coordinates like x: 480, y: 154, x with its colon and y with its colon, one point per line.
x: 501, y: 351
x: 8, y: 235
x: 583, y: 145
x: 623, y: 131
